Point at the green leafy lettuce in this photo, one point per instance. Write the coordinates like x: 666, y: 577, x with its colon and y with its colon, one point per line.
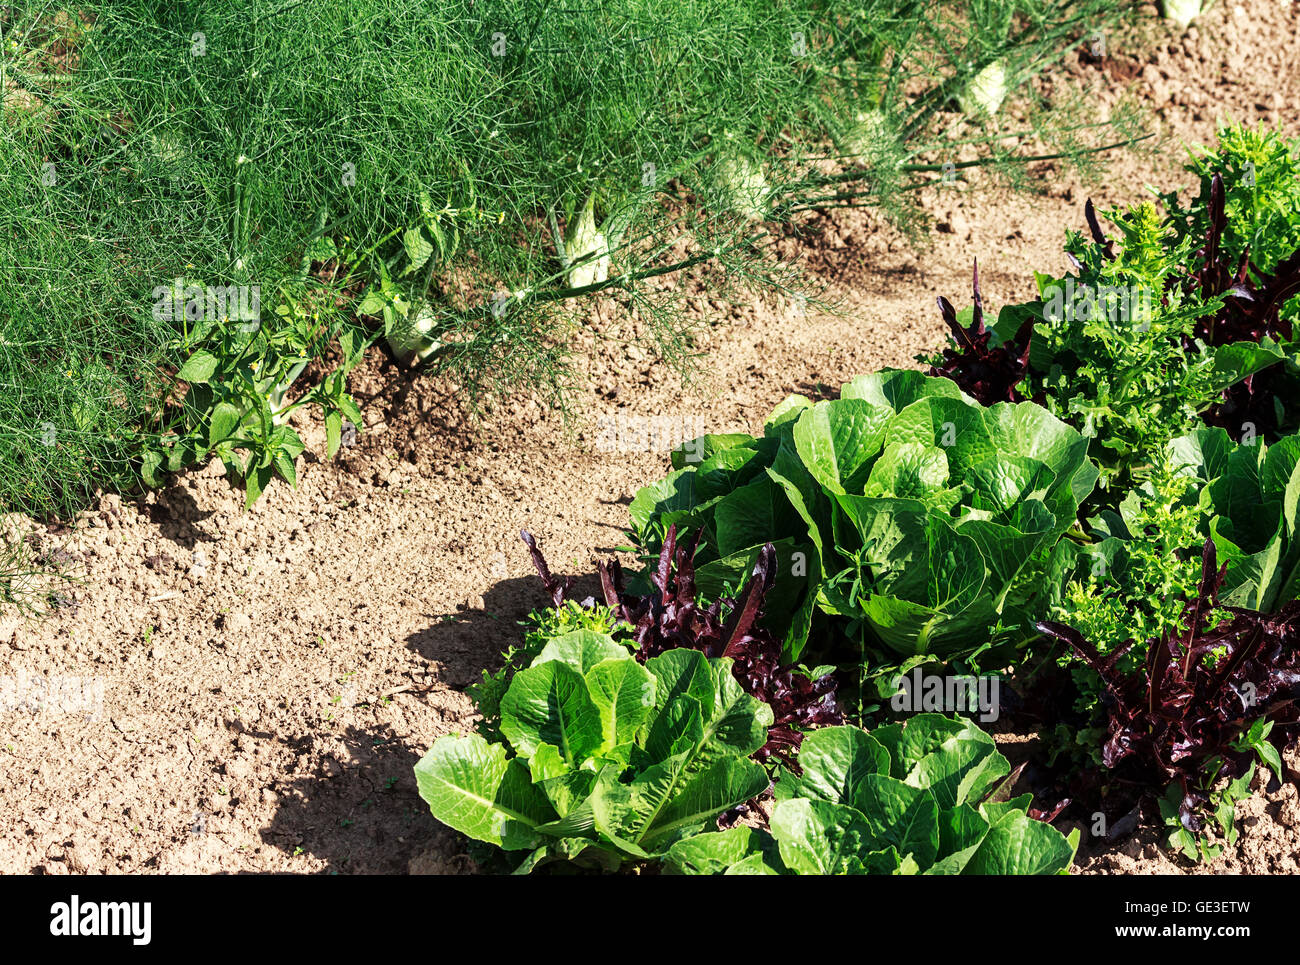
x: 603, y: 760
x: 1115, y: 348
x: 1250, y: 496
x: 1260, y: 168
x: 913, y: 519
x: 926, y: 796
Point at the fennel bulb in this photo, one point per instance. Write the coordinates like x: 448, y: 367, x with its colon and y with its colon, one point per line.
x: 985, y: 92
x: 746, y: 188
x: 585, y: 241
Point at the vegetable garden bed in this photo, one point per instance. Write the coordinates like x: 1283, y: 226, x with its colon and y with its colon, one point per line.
x: 283, y: 686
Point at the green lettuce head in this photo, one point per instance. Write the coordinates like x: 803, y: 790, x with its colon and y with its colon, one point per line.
x: 905, y: 515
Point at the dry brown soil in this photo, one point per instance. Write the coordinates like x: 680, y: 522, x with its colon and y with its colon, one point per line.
x: 270, y: 677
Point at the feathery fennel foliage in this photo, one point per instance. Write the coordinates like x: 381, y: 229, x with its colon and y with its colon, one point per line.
x: 418, y: 165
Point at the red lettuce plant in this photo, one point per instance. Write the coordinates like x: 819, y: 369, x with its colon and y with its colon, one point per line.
x: 671, y: 617
x: 987, y: 375
x: 1251, y: 311
x: 1198, y: 693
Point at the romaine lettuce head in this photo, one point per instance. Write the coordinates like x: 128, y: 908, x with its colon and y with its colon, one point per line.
x: 929, y: 795
x: 902, y: 511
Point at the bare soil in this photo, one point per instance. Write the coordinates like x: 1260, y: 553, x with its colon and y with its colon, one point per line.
x: 269, y: 677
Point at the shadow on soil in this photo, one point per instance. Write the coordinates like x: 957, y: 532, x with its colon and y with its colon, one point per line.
x: 362, y: 814
x: 175, y: 513
x: 469, y: 641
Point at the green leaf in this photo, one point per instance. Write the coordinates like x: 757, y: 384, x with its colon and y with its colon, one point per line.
x: 787, y: 413
x: 1019, y: 845
x: 1025, y: 429
x: 223, y: 422
x: 284, y: 465
x: 961, y: 832
x: 908, y: 470
x: 835, y: 760
x: 549, y: 704
x: 624, y: 693
x: 547, y: 763
x: 351, y: 411
x: 1203, y: 453
x: 675, y: 492
x: 723, y: 852
x: 470, y: 786
x: 702, y: 796
x: 838, y: 441
x: 916, y: 738
x: 962, y: 769
x: 682, y: 672
x: 757, y: 507
x: 287, y: 440
x: 669, y: 800
x: 581, y: 650
x: 758, y: 864
x: 896, y: 389
x: 198, y: 368
x: 439, y: 238
x: 677, y: 730
x: 945, y: 423
x: 567, y: 790
x: 256, y: 479
x: 1239, y: 360
x: 736, y: 723
x: 900, y: 816
x: 373, y: 303
x: 697, y: 452
x: 333, y: 432
x: 821, y: 838
x: 321, y: 249
x: 1269, y: 755
x: 578, y: 851
x: 418, y: 249
x: 151, y: 461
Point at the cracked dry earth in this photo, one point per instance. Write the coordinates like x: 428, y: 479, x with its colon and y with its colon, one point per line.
x: 269, y: 677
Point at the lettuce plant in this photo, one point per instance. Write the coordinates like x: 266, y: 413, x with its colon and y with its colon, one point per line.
x: 670, y: 616
x: 1255, y: 309
x: 1260, y: 172
x: 1130, y: 584
x: 1250, y: 496
x: 914, y: 520
x: 1116, y: 347
x: 925, y: 796
x: 1179, y: 320
x: 602, y: 760
x: 1245, y: 223
x: 1185, y: 718
x: 1134, y: 718
x: 985, y: 370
